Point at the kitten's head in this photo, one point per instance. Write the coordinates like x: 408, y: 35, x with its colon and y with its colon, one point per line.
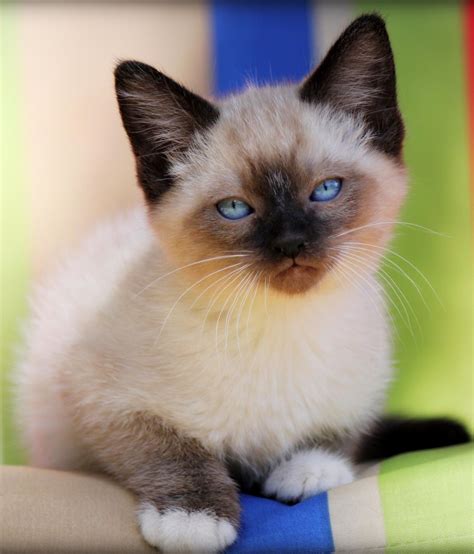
x: 281, y: 176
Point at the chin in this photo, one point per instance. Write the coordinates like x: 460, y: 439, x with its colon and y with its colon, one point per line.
x: 297, y: 279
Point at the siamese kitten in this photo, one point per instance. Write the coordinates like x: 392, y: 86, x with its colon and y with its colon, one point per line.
x: 223, y: 335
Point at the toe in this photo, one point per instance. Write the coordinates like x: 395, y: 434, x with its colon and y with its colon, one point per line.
x: 178, y: 530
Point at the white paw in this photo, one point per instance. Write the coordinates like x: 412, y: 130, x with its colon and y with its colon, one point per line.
x: 177, y: 530
x: 307, y: 473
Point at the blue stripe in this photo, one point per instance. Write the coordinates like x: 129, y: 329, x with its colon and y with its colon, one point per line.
x: 269, y: 526
x: 261, y: 41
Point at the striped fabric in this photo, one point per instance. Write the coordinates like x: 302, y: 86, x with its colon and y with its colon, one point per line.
x: 421, y: 501
x: 416, y: 502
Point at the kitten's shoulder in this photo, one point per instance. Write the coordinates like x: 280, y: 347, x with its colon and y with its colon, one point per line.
x: 87, y: 277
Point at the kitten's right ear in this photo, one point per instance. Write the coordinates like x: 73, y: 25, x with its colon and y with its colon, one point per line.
x: 161, y: 118
x: 357, y: 76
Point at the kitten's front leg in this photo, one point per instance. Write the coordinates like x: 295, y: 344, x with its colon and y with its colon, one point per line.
x: 187, y: 500
x: 306, y: 473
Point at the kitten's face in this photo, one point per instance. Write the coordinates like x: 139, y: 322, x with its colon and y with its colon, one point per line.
x: 272, y: 183
x: 272, y: 151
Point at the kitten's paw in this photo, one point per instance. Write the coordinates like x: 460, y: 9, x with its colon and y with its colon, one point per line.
x: 177, y: 530
x: 307, y: 473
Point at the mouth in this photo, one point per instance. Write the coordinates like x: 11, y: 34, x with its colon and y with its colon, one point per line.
x: 295, y: 268
x: 296, y: 277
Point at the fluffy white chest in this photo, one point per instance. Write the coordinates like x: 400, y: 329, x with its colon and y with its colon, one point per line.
x: 255, y: 391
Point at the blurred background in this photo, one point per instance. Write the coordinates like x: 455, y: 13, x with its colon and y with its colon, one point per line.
x: 66, y: 163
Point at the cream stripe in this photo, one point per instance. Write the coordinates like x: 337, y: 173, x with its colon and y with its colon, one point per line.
x: 329, y: 20
x: 78, y: 164
x: 357, y: 516
x: 50, y: 512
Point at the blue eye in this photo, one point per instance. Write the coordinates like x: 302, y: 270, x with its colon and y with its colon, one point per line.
x: 233, y: 208
x: 327, y: 190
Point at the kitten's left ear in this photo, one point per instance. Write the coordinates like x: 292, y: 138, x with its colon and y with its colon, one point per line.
x: 357, y: 76
x: 161, y: 118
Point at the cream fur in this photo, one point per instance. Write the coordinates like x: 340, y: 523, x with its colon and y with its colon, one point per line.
x: 301, y: 366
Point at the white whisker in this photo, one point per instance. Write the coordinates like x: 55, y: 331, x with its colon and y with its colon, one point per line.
x: 405, y: 317
x: 378, y: 223
x: 182, y: 295
x: 257, y: 276
x: 223, y: 308
x: 217, y: 293
x: 343, y: 263
x: 404, y: 300
x: 241, y: 309
x: 266, y: 296
x: 409, y: 263
x: 160, y: 277
x: 213, y: 284
x: 237, y: 295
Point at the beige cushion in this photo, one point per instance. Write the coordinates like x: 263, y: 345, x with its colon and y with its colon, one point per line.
x: 58, y: 512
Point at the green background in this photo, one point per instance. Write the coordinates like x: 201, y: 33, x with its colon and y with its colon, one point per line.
x: 14, y: 255
x: 435, y: 373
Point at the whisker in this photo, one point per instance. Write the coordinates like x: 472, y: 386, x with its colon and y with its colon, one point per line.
x: 213, y: 284
x: 182, y: 295
x: 266, y: 296
x: 409, y: 263
x: 237, y: 251
x: 241, y: 309
x: 405, y: 223
x: 223, y: 308
x: 240, y: 289
x: 215, y: 296
x: 395, y: 266
x: 252, y: 302
x: 405, y: 317
x: 344, y: 264
x: 255, y: 285
x: 404, y: 300
x: 342, y: 276
x: 160, y: 277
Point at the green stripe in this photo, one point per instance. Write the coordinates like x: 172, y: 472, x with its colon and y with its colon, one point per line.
x: 427, y: 496
x: 427, y: 500
x: 435, y: 374
x: 14, y: 231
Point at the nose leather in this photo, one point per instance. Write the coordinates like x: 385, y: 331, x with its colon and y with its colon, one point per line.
x: 289, y: 245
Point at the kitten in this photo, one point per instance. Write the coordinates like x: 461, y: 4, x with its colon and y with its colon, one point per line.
x: 222, y: 335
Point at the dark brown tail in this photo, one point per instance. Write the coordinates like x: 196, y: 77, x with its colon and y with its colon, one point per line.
x: 396, y: 435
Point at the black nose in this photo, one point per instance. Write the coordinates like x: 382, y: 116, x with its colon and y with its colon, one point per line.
x: 289, y: 246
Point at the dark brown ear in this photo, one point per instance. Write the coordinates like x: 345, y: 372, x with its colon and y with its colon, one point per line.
x: 161, y: 118
x: 358, y: 77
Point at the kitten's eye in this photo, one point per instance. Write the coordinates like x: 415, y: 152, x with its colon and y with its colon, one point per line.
x: 233, y: 208
x: 326, y: 190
